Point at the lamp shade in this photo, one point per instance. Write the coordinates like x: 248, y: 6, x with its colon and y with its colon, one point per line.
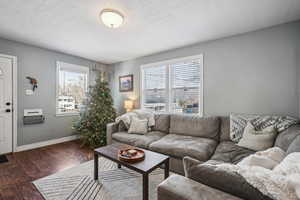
x: 128, y: 104
x: 112, y: 18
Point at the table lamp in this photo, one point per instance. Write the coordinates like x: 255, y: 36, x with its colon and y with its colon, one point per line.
x: 128, y: 105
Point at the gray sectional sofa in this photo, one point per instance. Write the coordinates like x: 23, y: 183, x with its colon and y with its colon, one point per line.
x: 191, y: 142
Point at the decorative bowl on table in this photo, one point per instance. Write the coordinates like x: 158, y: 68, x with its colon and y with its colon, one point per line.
x: 131, y: 155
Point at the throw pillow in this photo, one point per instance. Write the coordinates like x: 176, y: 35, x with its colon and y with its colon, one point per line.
x: 138, y: 126
x: 268, y: 159
x: 294, y: 146
x: 258, y: 140
x: 122, y: 126
x: 274, y: 153
x: 258, y: 161
x: 238, y: 122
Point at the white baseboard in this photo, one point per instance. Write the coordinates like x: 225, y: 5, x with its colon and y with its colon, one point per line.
x: 46, y: 143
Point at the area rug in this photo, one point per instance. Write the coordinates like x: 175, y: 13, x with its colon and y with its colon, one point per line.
x: 3, y: 159
x: 114, y: 184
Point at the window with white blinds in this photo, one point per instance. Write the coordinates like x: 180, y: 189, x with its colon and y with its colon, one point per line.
x: 72, y: 86
x: 174, y: 86
x: 155, y: 88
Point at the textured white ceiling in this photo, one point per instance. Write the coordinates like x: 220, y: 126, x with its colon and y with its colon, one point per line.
x: 73, y: 26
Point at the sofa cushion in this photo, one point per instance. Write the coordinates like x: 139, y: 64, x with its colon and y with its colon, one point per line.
x: 285, y: 138
x: 162, y: 122
x: 194, y: 125
x: 177, y: 187
x: 225, y: 129
x: 181, y: 145
x: 138, y: 140
x: 229, y: 152
x: 294, y: 146
x: 189, y: 163
x: 224, y: 180
x: 176, y: 165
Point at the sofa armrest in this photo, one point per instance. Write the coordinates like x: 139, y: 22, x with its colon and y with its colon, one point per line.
x: 224, y: 180
x: 111, y: 128
x: 189, y: 163
x: 178, y: 187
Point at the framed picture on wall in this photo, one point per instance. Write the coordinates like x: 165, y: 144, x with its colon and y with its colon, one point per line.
x: 126, y: 83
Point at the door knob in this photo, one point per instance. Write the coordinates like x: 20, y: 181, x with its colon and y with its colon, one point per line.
x: 7, y: 110
x: 8, y: 103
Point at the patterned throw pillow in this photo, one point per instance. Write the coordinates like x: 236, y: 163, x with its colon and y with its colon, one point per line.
x: 238, y: 122
x: 122, y: 126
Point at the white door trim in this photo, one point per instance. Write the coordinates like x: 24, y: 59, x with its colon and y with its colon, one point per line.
x: 15, y: 99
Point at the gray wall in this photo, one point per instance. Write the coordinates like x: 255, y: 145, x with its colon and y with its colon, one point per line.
x: 41, y: 64
x: 298, y: 71
x: 254, y: 72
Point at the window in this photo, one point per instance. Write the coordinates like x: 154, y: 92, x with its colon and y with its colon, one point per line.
x: 173, y: 86
x: 72, y: 85
x: 155, y: 88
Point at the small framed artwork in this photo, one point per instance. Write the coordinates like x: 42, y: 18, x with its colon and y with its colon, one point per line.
x: 126, y: 83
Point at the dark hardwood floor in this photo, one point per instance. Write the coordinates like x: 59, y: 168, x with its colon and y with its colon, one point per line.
x: 24, y: 167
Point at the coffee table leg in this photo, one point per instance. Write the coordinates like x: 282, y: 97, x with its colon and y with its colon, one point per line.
x: 96, y: 158
x: 145, y: 187
x: 167, y: 168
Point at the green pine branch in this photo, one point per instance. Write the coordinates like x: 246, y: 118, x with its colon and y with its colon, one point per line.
x: 99, y: 111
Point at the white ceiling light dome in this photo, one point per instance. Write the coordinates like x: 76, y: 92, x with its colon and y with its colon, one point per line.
x: 111, y: 18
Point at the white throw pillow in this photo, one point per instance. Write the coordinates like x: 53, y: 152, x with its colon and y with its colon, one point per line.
x: 138, y: 126
x: 268, y: 159
x: 258, y: 140
x: 274, y: 153
x: 259, y: 161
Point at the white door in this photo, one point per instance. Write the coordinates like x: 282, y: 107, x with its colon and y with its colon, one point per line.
x: 6, y: 120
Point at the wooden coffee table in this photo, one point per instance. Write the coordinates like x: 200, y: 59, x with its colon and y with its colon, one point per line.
x: 152, y: 161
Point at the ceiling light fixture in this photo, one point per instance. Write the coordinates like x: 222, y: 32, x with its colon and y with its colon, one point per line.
x: 111, y: 18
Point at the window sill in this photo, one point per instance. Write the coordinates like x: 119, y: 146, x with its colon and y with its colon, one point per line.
x: 66, y: 114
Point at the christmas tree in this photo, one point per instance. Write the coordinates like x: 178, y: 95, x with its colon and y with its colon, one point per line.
x: 99, y: 112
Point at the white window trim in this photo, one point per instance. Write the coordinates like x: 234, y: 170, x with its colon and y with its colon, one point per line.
x: 72, y: 68
x: 168, y: 85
